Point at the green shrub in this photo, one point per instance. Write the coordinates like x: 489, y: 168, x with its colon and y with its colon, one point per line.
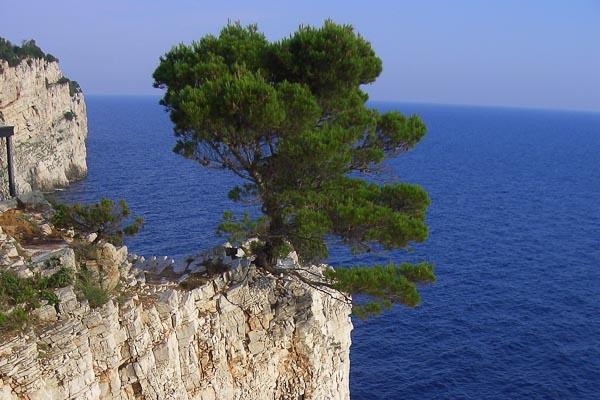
x: 16, y: 290
x: 74, y: 88
x: 49, y: 296
x: 90, y: 287
x: 14, y: 320
x: 96, y: 296
x: 105, y: 219
x: 62, y: 278
x: 27, y: 294
x: 69, y: 115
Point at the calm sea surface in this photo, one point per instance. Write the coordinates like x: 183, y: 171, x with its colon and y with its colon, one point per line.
x: 514, y: 234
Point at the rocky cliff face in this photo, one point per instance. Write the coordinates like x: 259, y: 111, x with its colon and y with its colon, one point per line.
x: 50, y: 124
x: 207, y: 327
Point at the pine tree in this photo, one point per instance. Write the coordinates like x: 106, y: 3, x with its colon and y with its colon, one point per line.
x: 289, y: 118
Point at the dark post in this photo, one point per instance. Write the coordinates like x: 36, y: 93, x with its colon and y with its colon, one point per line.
x: 7, y: 132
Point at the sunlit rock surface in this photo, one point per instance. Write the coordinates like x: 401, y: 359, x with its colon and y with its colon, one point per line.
x: 50, y: 126
x: 210, y: 326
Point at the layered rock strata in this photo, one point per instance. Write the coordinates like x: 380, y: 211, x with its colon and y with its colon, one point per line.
x: 49, y: 117
x: 208, y: 327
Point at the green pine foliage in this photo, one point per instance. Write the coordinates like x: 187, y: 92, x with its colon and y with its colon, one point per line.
x: 289, y: 118
x: 385, y: 284
x: 14, y: 54
x: 104, y: 218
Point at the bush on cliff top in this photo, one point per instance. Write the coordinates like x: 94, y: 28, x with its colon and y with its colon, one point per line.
x: 14, y: 54
x: 289, y: 118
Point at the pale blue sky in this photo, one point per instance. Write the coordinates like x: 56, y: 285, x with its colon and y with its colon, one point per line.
x: 522, y: 53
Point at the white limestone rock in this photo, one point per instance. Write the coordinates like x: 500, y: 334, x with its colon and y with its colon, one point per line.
x: 45, y: 313
x: 260, y: 338
x: 50, y: 126
x: 109, y: 264
x: 48, y: 263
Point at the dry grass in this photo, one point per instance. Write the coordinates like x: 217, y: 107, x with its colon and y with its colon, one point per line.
x: 25, y: 228
x: 19, y: 225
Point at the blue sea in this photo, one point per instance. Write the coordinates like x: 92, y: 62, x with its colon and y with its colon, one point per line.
x: 514, y: 235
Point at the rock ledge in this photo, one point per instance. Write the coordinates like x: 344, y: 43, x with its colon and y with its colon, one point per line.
x: 233, y: 333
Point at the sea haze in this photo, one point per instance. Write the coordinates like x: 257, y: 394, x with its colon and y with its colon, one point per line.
x: 514, y: 234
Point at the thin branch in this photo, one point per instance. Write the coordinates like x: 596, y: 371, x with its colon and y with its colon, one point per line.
x: 317, y: 285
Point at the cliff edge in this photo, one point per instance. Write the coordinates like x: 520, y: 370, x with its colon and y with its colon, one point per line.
x: 49, y: 115
x: 211, y: 326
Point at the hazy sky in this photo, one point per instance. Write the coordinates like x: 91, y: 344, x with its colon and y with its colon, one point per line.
x: 524, y: 53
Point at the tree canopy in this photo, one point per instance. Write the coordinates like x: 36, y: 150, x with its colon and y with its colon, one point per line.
x: 289, y: 118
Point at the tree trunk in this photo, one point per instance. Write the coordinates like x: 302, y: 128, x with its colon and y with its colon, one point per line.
x: 274, y: 240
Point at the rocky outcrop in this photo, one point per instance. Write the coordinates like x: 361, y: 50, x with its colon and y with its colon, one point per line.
x: 49, y: 115
x: 210, y: 326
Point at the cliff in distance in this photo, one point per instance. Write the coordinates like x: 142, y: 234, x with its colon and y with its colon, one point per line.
x: 49, y: 117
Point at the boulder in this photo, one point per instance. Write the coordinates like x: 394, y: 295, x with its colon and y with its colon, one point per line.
x: 109, y: 261
x: 49, y: 263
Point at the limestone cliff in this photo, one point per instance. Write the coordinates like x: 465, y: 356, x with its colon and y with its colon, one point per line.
x: 49, y: 115
x: 211, y: 326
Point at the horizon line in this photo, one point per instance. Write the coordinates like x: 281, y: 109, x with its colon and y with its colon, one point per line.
x: 426, y: 103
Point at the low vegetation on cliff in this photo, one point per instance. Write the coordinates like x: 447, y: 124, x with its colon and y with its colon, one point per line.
x: 289, y: 118
x: 81, y: 229
x: 156, y: 326
x: 14, y: 54
x: 21, y: 295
